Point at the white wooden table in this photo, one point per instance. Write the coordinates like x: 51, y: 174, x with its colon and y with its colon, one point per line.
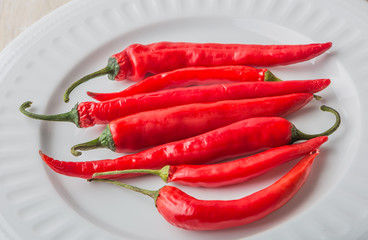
x: 17, y: 15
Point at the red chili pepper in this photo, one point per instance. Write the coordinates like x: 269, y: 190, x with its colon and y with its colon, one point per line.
x: 240, y: 138
x: 185, y: 211
x: 185, y: 77
x: 87, y: 114
x: 227, y: 173
x: 136, y: 61
x: 146, y: 129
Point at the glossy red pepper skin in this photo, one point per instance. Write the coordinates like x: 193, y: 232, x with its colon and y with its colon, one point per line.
x: 185, y: 77
x: 240, y: 138
x: 88, y: 114
x: 137, y: 60
x: 237, y: 139
x: 151, y: 128
x: 91, y: 113
x: 227, y: 173
x: 240, y: 170
x: 184, y: 211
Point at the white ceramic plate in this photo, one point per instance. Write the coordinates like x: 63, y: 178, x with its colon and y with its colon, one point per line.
x: 36, y: 203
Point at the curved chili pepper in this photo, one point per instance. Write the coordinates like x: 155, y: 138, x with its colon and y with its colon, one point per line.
x: 145, y: 129
x: 136, y: 61
x: 185, y: 211
x: 227, y: 173
x: 87, y: 114
x: 185, y: 77
x: 237, y: 139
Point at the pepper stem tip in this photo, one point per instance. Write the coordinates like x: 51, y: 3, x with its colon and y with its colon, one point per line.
x: 25, y: 105
x: 270, y: 77
x: 75, y: 152
x: 95, y: 143
x: 317, y: 97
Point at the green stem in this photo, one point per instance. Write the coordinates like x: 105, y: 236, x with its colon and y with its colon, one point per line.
x: 163, y: 173
x: 299, y: 135
x: 317, y: 97
x: 101, y: 72
x: 152, y: 193
x: 71, y: 116
x: 105, y: 140
x: 269, y: 77
x: 94, y: 144
x: 111, y: 69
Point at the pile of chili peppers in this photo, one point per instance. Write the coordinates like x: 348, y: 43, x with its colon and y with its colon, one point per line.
x: 203, y: 103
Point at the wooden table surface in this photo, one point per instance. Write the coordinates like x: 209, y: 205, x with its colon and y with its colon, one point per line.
x: 17, y: 15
